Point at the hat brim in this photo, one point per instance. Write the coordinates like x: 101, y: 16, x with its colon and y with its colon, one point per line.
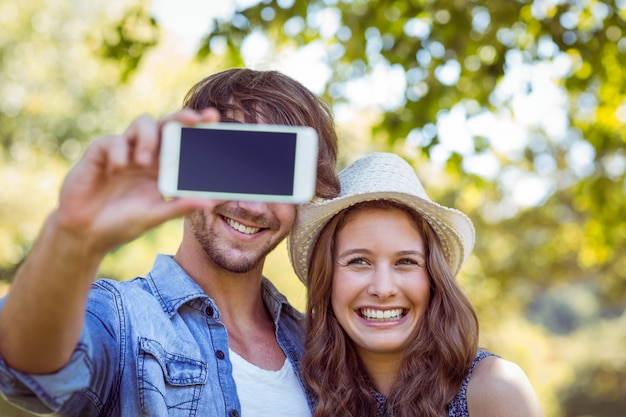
x: 454, y: 228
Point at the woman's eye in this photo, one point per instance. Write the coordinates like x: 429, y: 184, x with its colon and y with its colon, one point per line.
x: 357, y: 261
x: 411, y: 262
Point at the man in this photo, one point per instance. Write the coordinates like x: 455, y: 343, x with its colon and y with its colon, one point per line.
x: 203, y: 334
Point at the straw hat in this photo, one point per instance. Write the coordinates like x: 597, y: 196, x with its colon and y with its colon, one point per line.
x: 374, y: 177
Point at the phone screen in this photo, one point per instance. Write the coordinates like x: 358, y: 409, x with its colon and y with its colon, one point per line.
x: 237, y: 161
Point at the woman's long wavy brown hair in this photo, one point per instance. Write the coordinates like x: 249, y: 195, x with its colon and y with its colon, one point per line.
x: 434, y: 364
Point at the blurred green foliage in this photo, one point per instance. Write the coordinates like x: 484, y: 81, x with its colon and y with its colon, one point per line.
x: 547, y: 277
x: 558, y: 261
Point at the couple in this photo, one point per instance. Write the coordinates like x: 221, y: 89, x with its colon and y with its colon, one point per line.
x: 388, y: 332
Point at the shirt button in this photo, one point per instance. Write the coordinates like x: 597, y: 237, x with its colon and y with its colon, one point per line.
x: 209, y: 311
x: 220, y: 355
x: 234, y: 413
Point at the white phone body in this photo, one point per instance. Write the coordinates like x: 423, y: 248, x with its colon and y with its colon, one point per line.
x: 233, y: 161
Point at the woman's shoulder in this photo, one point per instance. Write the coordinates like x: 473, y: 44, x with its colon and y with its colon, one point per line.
x: 499, y: 387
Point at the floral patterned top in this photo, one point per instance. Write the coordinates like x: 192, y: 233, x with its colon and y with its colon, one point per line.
x: 458, y: 406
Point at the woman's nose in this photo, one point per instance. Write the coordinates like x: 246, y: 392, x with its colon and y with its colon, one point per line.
x: 383, y: 284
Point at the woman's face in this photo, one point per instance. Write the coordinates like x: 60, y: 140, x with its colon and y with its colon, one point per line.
x: 381, y: 286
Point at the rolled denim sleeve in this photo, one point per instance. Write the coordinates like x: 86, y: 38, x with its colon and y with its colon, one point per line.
x: 46, y: 393
x: 74, y: 386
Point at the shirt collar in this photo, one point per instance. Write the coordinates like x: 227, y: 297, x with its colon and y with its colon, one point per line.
x: 276, y: 302
x: 173, y: 287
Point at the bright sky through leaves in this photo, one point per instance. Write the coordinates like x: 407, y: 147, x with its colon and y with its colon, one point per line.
x: 529, y: 94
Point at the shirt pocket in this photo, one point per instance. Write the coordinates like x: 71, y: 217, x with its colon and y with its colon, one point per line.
x: 169, y: 383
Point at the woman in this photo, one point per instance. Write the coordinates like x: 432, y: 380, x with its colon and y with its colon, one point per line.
x: 389, y: 331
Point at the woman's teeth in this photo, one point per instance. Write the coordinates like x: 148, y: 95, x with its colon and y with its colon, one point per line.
x: 372, y: 314
x: 241, y: 228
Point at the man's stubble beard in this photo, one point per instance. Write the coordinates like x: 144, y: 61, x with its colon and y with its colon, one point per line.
x: 219, y: 253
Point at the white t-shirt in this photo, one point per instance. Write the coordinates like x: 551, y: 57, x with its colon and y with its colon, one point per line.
x: 265, y: 393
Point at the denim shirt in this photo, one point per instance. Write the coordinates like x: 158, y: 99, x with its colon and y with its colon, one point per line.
x: 153, y: 346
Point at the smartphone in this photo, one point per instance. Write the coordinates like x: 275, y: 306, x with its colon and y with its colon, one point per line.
x: 233, y: 161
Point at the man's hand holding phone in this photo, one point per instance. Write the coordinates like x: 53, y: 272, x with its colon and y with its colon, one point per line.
x: 111, y: 196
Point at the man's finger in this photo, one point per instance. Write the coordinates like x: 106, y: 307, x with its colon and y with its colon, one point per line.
x: 142, y: 137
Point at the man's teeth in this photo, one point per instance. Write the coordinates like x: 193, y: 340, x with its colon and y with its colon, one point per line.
x: 241, y: 228
x: 372, y: 314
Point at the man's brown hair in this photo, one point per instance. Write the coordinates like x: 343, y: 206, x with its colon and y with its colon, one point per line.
x: 270, y: 97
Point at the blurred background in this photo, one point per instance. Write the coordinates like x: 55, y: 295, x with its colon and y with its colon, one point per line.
x: 512, y: 111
